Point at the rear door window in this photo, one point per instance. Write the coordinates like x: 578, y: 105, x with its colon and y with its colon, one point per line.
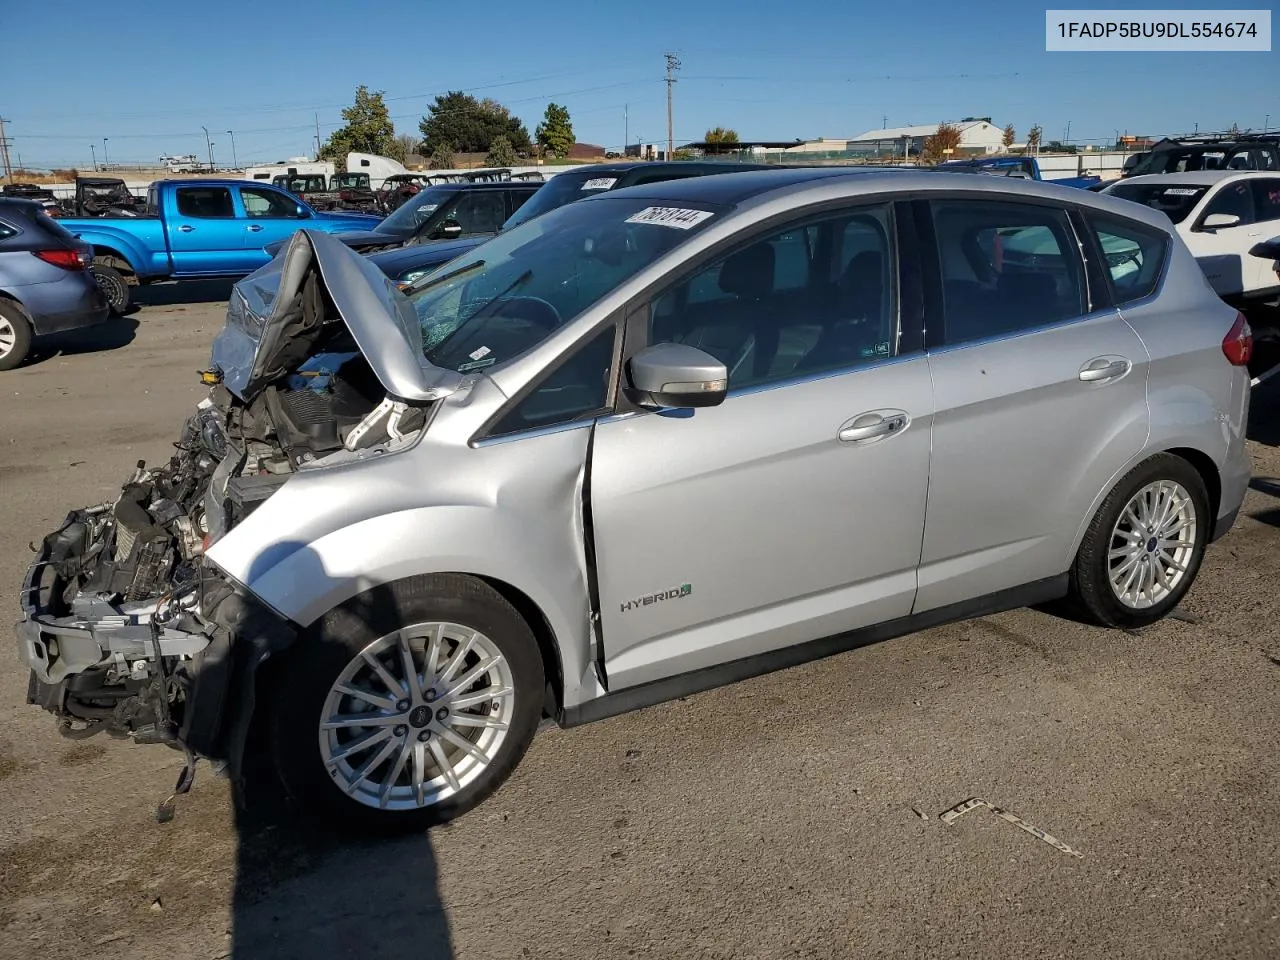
x: 207, y: 203
x: 6, y: 231
x: 1006, y: 268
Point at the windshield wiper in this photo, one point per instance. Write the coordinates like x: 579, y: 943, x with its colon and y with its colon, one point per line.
x: 474, y: 265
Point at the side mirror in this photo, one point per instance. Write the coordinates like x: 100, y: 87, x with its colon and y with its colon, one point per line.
x: 669, y: 376
x: 1217, y: 220
x: 449, y: 230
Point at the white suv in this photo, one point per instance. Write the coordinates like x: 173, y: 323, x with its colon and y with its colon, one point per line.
x: 1222, y: 215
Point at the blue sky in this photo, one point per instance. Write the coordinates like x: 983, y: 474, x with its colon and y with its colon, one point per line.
x: 772, y: 70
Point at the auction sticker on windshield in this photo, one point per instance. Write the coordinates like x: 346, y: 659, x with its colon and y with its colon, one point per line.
x: 677, y: 217
x: 600, y: 183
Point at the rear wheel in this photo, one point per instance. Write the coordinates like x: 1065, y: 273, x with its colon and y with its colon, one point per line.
x: 15, y: 335
x: 1143, y: 549
x: 112, y: 283
x: 409, y: 705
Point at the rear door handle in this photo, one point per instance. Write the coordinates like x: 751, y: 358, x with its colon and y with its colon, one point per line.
x: 255, y: 228
x: 1104, y: 368
x: 186, y: 228
x: 873, y: 425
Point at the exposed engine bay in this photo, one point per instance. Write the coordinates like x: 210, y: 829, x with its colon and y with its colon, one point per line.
x: 128, y: 629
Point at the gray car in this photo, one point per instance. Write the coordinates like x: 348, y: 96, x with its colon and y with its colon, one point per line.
x: 648, y: 443
x: 45, y: 283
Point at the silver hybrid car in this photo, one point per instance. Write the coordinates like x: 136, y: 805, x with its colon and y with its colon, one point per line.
x: 652, y: 442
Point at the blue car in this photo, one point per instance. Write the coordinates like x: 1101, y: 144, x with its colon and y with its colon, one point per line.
x: 45, y: 283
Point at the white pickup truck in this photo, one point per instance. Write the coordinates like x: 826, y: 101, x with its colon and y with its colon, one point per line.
x: 1222, y: 215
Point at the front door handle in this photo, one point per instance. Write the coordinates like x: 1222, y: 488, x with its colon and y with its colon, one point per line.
x: 872, y: 426
x: 186, y: 228
x: 1104, y: 368
x: 255, y: 228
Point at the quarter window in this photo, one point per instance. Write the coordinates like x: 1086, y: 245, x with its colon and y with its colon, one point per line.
x: 1132, y: 253
x: 207, y: 203
x: 1006, y: 268
x: 577, y: 389
x: 6, y: 231
x: 792, y: 304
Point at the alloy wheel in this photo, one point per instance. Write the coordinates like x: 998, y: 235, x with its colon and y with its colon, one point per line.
x: 416, y: 716
x: 8, y: 337
x: 1152, y: 544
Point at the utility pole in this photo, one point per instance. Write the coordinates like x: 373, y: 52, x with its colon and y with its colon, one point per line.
x: 626, y: 128
x: 209, y: 144
x: 4, y: 151
x: 235, y: 162
x: 317, y: 117
x: 93, y: 153
x: 673, y: 64
x: 105, y: 164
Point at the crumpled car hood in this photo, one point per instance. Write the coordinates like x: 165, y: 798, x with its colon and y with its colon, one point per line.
x: 381, y: 320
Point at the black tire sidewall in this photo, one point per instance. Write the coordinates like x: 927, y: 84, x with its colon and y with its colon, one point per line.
x: 1090, y: 580
x: 23, y: 334
x: 317, y: 659
x: 112, y: 283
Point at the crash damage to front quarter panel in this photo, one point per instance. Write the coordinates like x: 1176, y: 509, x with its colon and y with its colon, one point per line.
x: 506, y: 511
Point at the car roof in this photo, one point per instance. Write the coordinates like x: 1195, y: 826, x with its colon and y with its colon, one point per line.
x: 795, y: 187
x: 1201, y: 178
x: 731, y: 188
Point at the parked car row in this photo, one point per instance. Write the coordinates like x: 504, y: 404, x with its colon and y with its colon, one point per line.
x: 640, y: 444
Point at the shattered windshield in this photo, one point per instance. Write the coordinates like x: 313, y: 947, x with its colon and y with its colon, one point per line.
x: 511, y: 293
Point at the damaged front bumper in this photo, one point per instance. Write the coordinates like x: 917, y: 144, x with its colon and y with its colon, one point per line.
x: 179, y: 670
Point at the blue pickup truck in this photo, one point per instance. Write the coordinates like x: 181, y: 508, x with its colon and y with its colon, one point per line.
x: 197, y: 229
x: 1025, y: 168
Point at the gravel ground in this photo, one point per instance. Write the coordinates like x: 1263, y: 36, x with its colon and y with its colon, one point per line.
x: 795, y: 815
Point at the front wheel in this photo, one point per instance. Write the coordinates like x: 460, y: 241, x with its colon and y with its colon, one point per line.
x: 1143, y: 549
x: 409, y: 705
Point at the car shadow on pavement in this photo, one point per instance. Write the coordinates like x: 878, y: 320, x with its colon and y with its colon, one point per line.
x: 112, y: 334
x: 307, y: 889
x: 180, y: 293
x: 303, y: 892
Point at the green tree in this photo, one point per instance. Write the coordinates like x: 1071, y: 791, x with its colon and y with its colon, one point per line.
x: 368, y: 129
x: 442, y: 159
x: 724, y: 139
x: 460, y: 123
x: 1008, y: 137
x: 501, y: 153
x: 555, y: 132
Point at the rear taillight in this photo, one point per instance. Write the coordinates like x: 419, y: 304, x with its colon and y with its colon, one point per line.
x: 66, y: 259
x: 1237, y: 345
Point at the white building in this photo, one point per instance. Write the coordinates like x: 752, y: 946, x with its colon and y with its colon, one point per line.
x: 978, y: 135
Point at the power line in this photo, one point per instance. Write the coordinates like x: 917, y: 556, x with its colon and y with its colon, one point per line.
x: 673, y: 64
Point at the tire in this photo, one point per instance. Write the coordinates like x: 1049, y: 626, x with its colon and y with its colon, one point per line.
x: 15, y: 335
x: 112, y: 283
x: 1092, y: 591
x: 309, y: 759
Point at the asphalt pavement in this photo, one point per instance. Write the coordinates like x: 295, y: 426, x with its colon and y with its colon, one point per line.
x: 794, y: 815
